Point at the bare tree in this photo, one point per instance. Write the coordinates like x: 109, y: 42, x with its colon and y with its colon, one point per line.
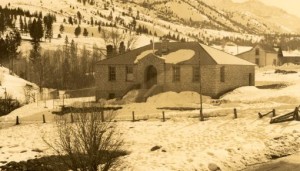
x: 115, y: 37
x: 88, y: 144
x: 131, y: 40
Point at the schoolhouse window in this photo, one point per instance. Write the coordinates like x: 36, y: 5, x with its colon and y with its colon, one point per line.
x: 129, y: 73
x: 111, y: 73
x: 111, y: 96
x: 222, y: 74
x: 257, y: 61
x: 176, y: 73
x: 196, y: 74
x: 257, y: 51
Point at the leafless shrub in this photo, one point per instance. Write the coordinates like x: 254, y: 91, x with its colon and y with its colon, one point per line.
x: 88, y: 144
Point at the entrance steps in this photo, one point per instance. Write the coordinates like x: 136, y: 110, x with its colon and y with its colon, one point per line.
x: 145, y: 93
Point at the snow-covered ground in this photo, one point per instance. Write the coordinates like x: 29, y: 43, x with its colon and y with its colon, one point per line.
x: 186, y: 143
x: 13, y: 85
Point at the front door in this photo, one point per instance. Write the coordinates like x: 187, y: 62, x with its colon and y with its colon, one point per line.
x: 150, y: 76
x: 251, y: 79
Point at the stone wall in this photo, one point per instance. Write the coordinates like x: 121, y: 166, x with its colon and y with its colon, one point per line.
x: 235, y: 76
x: 118, y: 87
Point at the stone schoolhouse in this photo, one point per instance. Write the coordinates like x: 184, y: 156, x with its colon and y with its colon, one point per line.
x: 172, y: 66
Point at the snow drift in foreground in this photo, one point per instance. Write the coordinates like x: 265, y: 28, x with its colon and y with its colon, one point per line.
x: 186, y: 144
x: 252, y: 94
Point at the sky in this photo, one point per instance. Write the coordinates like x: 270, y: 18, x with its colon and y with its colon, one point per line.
x: 290, y: 6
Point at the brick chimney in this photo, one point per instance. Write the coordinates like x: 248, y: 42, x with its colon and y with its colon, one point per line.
x: 164, y: 46
x: 109, y: 51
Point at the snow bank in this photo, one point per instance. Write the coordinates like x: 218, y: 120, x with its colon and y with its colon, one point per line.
x: 185, y: 145
x: 178, y: 56
x: 14, y: 85
x: 173, y: 99
x: 252, y: 94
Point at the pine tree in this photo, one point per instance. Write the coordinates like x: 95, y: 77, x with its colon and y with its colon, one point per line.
x: 36, y: 30
x: 21, y: 24
x: 36, y: 60
x: 25, y: 25
x: 77, y: 31
x: 99, y: 28
x: 48, y: 22
x: 70, y: 20
x: 13, y: 41
x: 92, y: 21
x: 85, y: 32
x: 61, y: 29
x: 79, y: 17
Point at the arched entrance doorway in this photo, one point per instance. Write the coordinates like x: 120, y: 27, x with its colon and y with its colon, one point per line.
x: 150, y: 76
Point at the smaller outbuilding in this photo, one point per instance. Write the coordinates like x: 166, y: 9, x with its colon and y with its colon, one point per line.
x: 287, y: 57
x: 261, y: 55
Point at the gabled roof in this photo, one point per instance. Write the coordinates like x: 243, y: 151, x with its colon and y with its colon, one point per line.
x: 267, y: 48
x: 294, y: 53
x: 207, y: 55
x: 223, y: 58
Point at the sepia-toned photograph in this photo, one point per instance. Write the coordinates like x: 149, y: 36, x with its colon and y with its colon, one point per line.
x: 149, y: 85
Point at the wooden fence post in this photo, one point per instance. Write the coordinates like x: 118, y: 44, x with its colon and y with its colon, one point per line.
x: 163, y: 115
x: 274, y: 113
x: 296, y: 114
x: 133, y: 118
x: 17, y: 120
x: 102, y: 116
x: 260, y: 115
x: 72, y: 119
x: 235, y: 113
x: 44, y: 119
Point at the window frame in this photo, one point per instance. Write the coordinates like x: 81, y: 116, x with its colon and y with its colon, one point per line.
x: 112, y: 73
x: 127, y: 69
x: 196, y: 74
x: 222, y: 74
x: 257, y: 52
x: 176, y: 73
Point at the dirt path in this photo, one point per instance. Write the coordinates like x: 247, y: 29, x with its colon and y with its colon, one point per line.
x: 290, y: 163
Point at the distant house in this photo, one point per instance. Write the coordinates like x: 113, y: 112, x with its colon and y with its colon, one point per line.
x: 261, y: 55
x: 172, y: 66
x: 290, y: 57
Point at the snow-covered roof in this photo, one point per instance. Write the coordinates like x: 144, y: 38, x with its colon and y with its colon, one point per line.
x: 179, y: 56
x: 224, y: 58
x: 233, y: 50
x: 294, y: 53
x: 178, y: 52
x: 142, y: 55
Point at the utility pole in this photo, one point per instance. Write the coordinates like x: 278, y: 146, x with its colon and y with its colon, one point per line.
x: 153, y: 36
x: 5, y: 93
x: 200, y: 89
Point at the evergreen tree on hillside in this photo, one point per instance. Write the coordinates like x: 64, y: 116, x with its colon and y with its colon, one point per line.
x: 36, y: 30
x: 85, y: 32
x: 2, y: 23
x: 61, y: 29
x: 99, y: 28
x: 21, y: 24
x: 48, y: 22
x: 92, y: 21
x: 13, y: 41
x: 79, y: 16
x: 77, y: 31
x: 37, y: 62
x: 70, y: 20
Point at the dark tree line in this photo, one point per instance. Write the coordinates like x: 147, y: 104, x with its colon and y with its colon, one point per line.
x: 65, y: 68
